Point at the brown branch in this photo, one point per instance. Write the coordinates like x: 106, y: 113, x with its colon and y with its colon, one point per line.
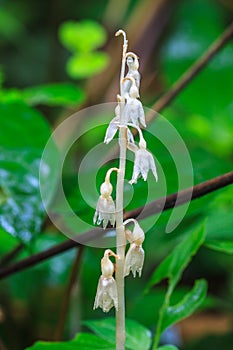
x: 6, y: 259
x: 154, y: 207
x: 66, y: 300
x: 179, y: 198
x: 191, y: 73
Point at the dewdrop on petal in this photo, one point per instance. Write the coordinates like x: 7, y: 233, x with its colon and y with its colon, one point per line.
x: 135, y: 256
x: 106, y: 295
x: 105, y: 208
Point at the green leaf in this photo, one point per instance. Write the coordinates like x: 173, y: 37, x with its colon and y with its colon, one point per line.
x: 219, y: 223
x: 137, y: 336
x: 168, y: 347
x: 83, y: 341
x: 7, y: 242
x: 83, y: 36
x: 22, y: 127
x: 87, y: 341
x: 86, y: 65
x: 23, y: 135
x: 224, y: 246
x: 186, y: 306
x: 21, y: 213
x: 174, y: 264
x: 62, y: 94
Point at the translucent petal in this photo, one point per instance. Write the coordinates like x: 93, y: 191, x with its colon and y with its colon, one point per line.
x: 105, y: 211
x: 106, y: 295
x: 134, y: 260
x: 111, y: 130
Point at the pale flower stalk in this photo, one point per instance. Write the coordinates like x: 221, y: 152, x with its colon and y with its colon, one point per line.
x: 128, y: 113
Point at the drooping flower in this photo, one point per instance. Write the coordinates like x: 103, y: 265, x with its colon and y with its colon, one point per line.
x: 134, y: 260
x: 135, y: 256
x: 133, y: 65
x: 106, y: 295
x: 133, y: 111
x: 143, y: 161
x: 105, y: 208
x: 115, y: 124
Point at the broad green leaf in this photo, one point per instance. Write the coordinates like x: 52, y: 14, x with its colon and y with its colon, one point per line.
x: 224, y: 246
x: 22, y: 127
x: 168, y: 347
x: 21, y: 213
x: 137, y: 336
x: 62, y: 94
x: 174, y: 264
x: 86, y: 65
x: 23, y: 135
x: 83, y: 36
x: 43, y: 345
x: 83, y: 341
x: 87, y: 341
x: 186, y: 306
x: 7, y: 242
x: 11, y: 96
x: 219, y: 223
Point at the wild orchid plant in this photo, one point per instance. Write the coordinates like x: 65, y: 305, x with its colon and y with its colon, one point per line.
x: 129, y: 113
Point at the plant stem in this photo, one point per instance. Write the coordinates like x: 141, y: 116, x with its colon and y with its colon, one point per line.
x: 120, y: 242
x: 120, y: 232
x: 161, y: 315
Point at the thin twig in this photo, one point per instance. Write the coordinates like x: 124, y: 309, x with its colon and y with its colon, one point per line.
x: 6, y: 259
x: 197, y: 191
x: 179, y: 198
x: 192, y: 72
x: 66, y: 300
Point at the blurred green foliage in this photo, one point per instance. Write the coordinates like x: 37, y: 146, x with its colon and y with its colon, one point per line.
x: 36, y: 91
x: 82, y: 38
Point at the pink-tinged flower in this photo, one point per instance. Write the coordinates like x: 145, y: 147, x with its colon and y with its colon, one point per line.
x: 106, y: 295
x: 105, y: 208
